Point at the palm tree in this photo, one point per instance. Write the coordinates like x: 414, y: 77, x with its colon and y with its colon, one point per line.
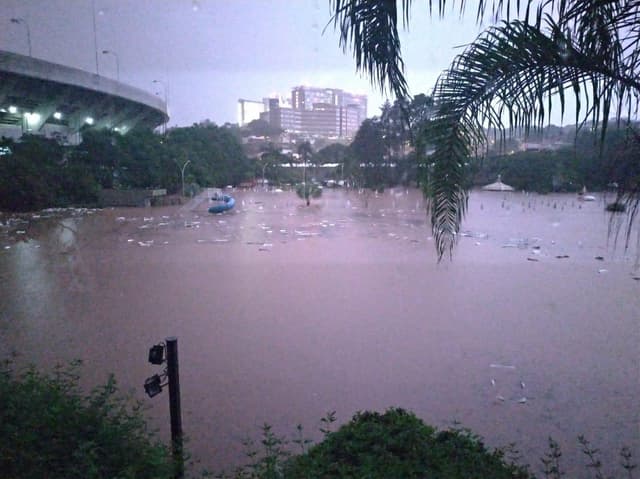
x: 510, y: 77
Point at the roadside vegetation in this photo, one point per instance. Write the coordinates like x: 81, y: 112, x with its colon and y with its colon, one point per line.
x: 51, y: 428
x: 37, y: 172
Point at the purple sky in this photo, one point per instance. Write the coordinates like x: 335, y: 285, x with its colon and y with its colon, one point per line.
x: 211, y: 52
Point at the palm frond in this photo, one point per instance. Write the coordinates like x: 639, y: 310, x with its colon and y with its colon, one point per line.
x: 370, y: 29
x: 507, y: 78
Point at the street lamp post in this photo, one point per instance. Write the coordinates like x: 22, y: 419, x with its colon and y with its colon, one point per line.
x: 158, y: 355
x: 22, y: 21
x: 95, y: 35
x: 182, y: 171
x: 164, y: 88
x: 115, y: 55
x: 263, y: 169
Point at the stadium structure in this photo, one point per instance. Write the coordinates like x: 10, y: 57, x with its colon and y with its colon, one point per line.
x: 57, y: 101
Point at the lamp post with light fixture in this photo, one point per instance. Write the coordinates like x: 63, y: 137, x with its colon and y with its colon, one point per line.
x: 22, y: 21
x: 164, y: 88
x: 159, y: 354
x: 115, y: 55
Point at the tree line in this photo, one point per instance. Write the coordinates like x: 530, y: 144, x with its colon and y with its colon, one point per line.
x: 38, y: 172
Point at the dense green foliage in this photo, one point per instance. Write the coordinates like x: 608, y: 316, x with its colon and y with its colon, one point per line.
x: 583, y: 162
x: 50, y: 429
x: 40, y: 173
x: 398, y: 444
x: 395, y: 444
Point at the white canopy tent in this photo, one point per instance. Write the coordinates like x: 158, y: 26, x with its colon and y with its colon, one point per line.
x: 497, y: 186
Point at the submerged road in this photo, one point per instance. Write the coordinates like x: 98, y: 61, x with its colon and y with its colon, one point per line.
x: 285, y: 312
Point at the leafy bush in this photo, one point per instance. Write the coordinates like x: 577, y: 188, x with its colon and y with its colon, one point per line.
x: 395, y: 444
x: 398, y: 444
x: 50, y: 429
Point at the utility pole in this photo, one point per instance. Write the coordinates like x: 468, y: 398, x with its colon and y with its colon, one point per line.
x: 159, y: 354
x: 174, y: 405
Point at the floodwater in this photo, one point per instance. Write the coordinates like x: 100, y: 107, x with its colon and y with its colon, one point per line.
x: 284, y: 313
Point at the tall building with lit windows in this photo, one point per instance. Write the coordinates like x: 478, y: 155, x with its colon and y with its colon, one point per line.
x: 320, y: 112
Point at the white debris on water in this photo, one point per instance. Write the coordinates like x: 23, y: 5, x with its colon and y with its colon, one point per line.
x: 501, y: 366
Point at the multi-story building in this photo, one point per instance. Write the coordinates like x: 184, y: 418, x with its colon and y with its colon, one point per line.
x: 315, y: 112
x: 322, y: 112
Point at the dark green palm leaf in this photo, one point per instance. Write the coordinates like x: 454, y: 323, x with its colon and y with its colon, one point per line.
x: 508, y: 78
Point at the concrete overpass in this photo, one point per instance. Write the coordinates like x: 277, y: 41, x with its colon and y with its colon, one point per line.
x: 54, y: 100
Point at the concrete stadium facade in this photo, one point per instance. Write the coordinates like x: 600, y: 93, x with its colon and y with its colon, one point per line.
x: 53, y: 100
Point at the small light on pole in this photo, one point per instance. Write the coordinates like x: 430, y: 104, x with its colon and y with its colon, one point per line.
x: 156, y: 354
x: 22, y: 21
x: 153, y: 385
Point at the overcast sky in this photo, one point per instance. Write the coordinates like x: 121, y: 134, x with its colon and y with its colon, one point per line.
x: 210, y: 53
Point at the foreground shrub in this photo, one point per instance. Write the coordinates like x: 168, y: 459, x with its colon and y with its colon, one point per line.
x: 395, y: 444
x: 398, y: 444
x: 49, y: 429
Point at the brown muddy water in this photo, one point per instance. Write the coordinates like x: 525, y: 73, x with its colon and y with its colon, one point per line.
x: 285, y: 312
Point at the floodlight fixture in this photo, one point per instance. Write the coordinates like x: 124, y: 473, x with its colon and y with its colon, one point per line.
x: 156, y: 354
x: 153, y: 385
x: 89, y: 120
x: 13, y: 109
x: 57, y: 115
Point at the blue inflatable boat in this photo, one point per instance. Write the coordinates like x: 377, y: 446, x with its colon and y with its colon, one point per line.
x: 225, y: 202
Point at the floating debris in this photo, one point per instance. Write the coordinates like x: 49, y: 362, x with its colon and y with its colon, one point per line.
x: 471, y: 234
x: 493, y: 382
x: 600, y: 258
x: 522, y: 400
x: 521, y: 243
x: 602, y: 271
x: 522, y: 384
x: 499, y: 397
x: 562, y: 256
x: 533, y: 259
x: 501, y: 366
